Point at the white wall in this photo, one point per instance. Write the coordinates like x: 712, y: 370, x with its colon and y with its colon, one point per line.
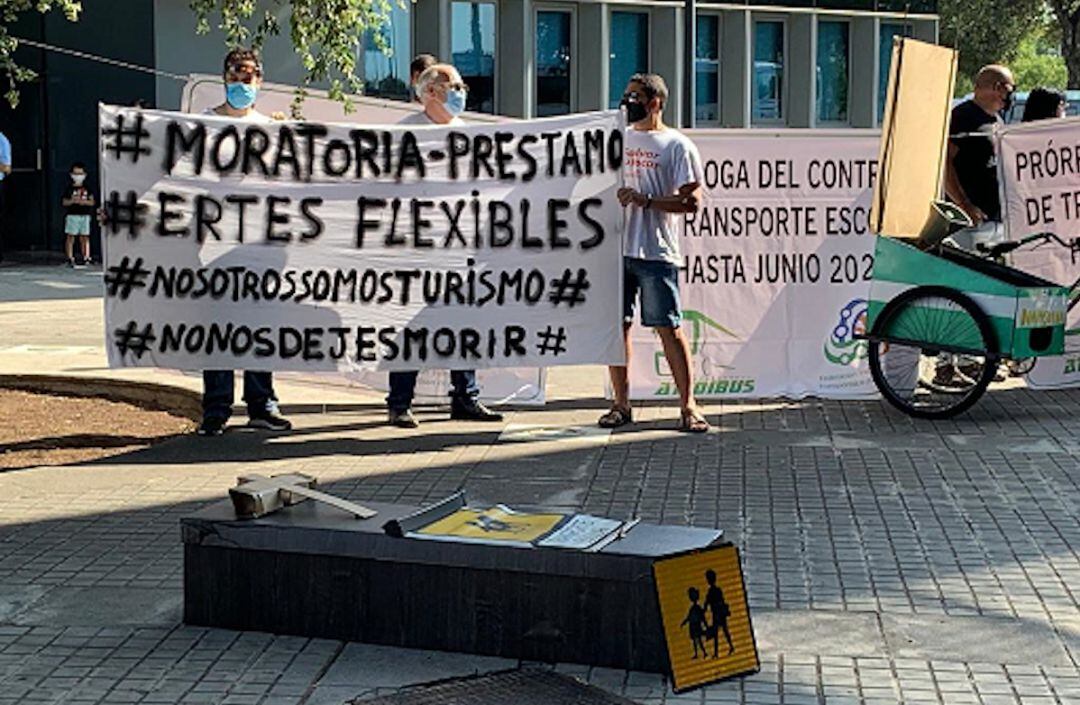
x: 178, y: 49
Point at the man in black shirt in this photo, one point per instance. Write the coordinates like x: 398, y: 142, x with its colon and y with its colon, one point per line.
x: 971, y: 181
x: 971, y: 168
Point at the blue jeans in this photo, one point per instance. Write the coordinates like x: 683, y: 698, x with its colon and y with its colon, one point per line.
x: 658, y: 284
x: 403, y: 386
x: 218, y: 393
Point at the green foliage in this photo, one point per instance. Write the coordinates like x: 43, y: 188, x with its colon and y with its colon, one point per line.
x: 326, y: 34
x: 9, y: 13
x: 1066, y: 16
x: 987, y: 31
x: 1038, y: 62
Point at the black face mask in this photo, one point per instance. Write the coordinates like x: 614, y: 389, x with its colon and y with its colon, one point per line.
x: 1008, y: 104
x: 635, y: 111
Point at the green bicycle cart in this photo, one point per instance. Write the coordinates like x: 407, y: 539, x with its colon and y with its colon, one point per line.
x: 936, y: 308
x: 941, y: 320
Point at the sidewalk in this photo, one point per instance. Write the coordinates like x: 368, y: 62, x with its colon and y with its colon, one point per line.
x: 887, y: 560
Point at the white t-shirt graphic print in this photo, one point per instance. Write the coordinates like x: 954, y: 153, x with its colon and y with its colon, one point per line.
x: 656, y: 163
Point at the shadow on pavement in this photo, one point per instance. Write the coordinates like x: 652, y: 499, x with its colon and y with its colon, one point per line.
x: 906, y: 533
x: 49, y: 283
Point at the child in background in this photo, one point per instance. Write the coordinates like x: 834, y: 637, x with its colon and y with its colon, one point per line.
x: 78, y: 207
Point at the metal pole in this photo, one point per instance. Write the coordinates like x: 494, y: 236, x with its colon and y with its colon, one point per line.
x: 689, y: 55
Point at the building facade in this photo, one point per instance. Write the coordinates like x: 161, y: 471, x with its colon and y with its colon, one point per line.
x: 769, y: 63
x: 55, y: 123
x: 765, y: 63
x: 800, y: 63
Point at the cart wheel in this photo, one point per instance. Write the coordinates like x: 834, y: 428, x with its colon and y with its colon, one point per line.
x: 909, y: 367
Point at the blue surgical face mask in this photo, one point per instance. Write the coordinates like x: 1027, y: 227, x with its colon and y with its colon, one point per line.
x: 455, y: 102
x: 241, y: 95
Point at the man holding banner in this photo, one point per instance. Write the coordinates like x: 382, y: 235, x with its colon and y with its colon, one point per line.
x: 663, y: 176
x: 442, y: 93
x: 331, y: 248
x: 242, y: 75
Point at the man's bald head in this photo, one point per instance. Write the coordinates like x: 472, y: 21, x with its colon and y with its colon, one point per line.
x: 994, y: 86
x: 993, y: 76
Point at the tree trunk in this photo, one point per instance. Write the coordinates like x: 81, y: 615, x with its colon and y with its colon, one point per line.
x: 1070, y: 44
x: 1072, y: 62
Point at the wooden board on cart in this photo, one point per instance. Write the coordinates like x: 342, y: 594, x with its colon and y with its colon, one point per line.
x: 914, y: 136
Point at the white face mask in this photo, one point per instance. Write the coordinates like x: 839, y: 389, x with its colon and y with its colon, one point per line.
x: 78, y: 179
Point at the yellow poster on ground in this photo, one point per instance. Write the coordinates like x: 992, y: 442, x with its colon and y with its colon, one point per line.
x: 706, y: 619
x: 499, y: 524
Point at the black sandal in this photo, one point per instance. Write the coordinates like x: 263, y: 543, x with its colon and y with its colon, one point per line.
x: 616, y: 418
x: 694, y: 422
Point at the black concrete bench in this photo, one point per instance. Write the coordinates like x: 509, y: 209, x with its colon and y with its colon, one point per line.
x: 314, y: 571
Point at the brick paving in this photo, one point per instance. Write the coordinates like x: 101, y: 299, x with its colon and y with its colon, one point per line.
x: 887, y: 560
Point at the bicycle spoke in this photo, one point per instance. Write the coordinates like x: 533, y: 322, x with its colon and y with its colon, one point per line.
x: 920, y: 378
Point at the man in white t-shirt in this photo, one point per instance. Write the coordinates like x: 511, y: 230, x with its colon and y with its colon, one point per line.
x: 242, y: 74
x: 442, y: 93
x: 663, y: 175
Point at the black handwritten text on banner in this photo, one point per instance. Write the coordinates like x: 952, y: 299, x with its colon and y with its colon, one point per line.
x: 776, y: 269
x: 299, y: 246
x: 1039, y: 175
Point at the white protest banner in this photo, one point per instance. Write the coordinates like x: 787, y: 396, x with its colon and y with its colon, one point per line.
x: 521, y: 385
x: 1039, y: 178
x: 320, y: 247
x: 777, y: 269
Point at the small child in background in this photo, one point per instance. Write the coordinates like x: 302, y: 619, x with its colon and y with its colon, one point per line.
x: 78, y: 207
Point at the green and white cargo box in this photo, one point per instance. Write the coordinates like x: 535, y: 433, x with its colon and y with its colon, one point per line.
x: 1027, y: 314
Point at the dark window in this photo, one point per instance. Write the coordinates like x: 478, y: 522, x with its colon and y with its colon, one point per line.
x: 552, y: 63
x: 768, y: 95
x: 832, y: 72
x: 472, y: 44
x: 707, y: 70
x: 386, y: 74
x: 629, y: 51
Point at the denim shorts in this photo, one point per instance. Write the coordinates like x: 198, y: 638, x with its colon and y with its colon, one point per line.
x: 658, y: 283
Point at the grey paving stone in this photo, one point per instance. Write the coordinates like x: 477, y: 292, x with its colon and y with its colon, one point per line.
x: 880, y: 551
x: 103, y: 607
x: 332, y: 695
x: 370, y: 666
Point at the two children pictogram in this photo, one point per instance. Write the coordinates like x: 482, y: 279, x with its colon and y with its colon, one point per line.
x: 708, y: 620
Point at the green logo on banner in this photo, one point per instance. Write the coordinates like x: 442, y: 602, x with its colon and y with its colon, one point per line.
x: 709, y: 379
x: 842, y: 347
